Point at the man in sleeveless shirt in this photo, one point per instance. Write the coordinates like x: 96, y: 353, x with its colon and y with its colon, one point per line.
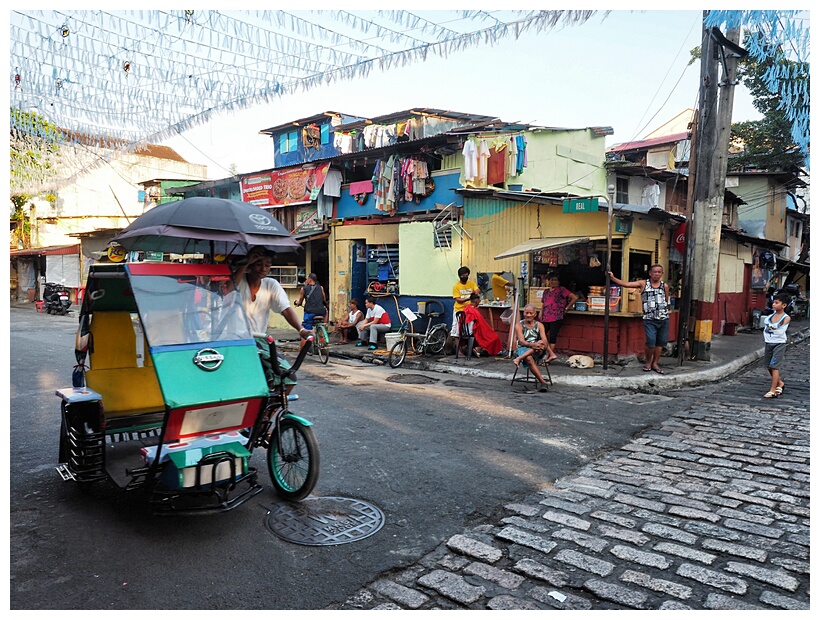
x: 655, y: 297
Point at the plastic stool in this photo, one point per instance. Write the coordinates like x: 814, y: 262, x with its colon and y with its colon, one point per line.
x: 40, y: 306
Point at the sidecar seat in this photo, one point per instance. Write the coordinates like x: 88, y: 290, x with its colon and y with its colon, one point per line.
x: 126, y: 388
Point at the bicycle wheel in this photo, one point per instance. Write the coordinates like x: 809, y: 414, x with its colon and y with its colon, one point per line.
x: 322, y: 344
x: 397, y: 353
x: 437, y: 340
x: 293, y: 460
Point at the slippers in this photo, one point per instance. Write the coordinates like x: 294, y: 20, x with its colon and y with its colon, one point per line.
x: 645, y: 369
x: 779, y: 390
x: 543, y: 388
x: 659, y: 371
x: 770, y: 395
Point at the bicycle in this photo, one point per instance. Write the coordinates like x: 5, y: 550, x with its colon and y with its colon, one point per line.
x: 321, y: 344
x: 431, y: 342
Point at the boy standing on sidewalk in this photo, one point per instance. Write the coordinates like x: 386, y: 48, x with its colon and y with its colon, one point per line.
x: 774, y: 335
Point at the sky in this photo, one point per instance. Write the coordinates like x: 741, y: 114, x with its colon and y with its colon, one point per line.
x: 628, y: 70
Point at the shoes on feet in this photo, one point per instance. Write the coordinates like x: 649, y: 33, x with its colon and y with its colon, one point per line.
x: 360, y: 344
x: 372, y: 347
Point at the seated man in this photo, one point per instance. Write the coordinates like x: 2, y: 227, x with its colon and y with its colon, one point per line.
x: 484, y: 335
x: 376, y: 322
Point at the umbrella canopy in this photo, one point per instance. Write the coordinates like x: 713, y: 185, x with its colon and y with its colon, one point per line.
x: 206, y: 226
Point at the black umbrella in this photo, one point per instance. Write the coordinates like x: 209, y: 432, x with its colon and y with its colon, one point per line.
x: 204, y: 225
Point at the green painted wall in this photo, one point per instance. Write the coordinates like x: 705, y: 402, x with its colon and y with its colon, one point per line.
x: 424, y: 268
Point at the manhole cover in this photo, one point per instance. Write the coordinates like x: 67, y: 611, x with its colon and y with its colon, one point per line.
x: 325, y: 521
x: 642, y: 399
x: 411, y: 379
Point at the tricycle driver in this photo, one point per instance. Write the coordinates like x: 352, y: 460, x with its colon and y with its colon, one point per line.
x: 262, y: 295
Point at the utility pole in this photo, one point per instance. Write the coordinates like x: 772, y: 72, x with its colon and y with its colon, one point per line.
x: 714, y: 126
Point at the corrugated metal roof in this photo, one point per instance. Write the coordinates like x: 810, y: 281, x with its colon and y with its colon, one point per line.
x: 644, y: 144
x: 51, y: 250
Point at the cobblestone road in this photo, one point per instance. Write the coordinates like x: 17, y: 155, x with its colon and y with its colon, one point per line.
x: 709, y: 510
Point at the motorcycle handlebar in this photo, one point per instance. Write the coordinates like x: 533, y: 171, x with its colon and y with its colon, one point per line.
x: 274, y: 359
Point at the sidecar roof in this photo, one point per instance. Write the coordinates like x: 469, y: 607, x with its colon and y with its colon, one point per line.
x: 108, y: 287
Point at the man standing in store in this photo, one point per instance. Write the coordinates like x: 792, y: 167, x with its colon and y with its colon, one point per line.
x: 462, y: 290
x: 655, y: 297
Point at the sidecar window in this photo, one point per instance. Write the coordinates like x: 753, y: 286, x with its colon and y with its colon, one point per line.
x: 189, y: 309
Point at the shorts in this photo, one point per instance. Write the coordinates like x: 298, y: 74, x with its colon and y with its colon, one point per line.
x: 307, y: 321
x: 773, y: 354
x: 552, y: 329
x: 657, y: 332
x: 537, y: 356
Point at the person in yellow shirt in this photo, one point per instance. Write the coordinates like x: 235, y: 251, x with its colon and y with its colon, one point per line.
x: 461, y: 293
x: 499, y: 284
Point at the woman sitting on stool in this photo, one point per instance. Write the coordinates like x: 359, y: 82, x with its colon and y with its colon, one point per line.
x: 532, y: 344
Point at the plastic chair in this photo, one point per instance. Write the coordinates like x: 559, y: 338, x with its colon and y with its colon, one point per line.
x: 464, y: 335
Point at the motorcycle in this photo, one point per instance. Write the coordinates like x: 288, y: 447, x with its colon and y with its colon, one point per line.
x: 56, y: 298
x: 173, y: 399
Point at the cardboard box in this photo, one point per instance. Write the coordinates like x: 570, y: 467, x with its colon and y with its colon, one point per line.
x: 535, y: 297
x: 597, y: 304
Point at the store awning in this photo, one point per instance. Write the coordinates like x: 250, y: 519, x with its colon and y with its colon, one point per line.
x: 51, y: 250
x: 546, y: 243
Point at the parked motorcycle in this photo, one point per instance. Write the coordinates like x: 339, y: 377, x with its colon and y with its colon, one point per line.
x: 56, y: 298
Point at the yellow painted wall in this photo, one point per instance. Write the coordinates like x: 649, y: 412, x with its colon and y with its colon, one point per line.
x: 731, y: 266
x: 498, y: 225
x: 423, y: 268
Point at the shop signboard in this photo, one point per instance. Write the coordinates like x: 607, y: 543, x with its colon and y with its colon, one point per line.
x: 286, y: 187
x: 153, y: 257
x: 580, y: 205
x: 307, y: 221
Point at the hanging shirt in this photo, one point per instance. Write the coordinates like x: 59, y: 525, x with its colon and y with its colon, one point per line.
x: 333, y: 183
x: 483, y: 158
x: 512, y: 157
x: 470, y: 161
x: 496, y: 165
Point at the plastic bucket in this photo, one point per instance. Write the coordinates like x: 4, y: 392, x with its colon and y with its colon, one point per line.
x: 391, y: 339
x: 515, y: 187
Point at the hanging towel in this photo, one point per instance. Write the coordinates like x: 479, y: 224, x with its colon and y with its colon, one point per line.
x: 361, y: 187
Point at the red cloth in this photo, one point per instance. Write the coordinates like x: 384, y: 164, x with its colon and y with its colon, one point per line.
x: 485, y: 335
x: 496, y: 167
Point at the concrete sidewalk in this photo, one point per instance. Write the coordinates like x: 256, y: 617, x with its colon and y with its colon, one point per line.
x: 728, y: 355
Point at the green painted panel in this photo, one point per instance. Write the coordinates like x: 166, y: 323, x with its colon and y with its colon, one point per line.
x: 183, y: 383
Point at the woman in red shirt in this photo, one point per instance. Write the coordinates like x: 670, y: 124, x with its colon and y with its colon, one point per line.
x: 556, y: 300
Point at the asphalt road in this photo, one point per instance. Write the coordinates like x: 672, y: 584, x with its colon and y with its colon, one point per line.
x: 435, y: 453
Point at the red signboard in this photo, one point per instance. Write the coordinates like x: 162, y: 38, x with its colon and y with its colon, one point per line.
x: 680, y: 238
x: 288, y: 187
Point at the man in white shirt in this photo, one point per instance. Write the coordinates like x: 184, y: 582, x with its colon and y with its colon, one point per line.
x: 376, y: 322
x: 261, y: 296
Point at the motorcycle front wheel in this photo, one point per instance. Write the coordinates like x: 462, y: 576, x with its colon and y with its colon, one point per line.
x: 293, y: 460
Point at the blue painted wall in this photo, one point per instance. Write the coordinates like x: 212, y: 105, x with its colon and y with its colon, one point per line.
x: 406, y: 301
x: 347, y: 207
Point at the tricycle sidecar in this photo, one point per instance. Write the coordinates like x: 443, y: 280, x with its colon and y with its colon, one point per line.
x: 174, y: 398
